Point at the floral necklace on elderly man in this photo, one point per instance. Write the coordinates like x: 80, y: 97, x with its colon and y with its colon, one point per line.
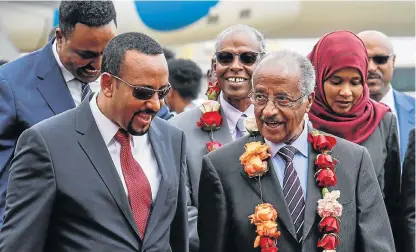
x: 211, y: 119
x: 254, y: 161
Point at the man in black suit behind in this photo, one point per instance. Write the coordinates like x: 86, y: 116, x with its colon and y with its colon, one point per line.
x: 106, y: 176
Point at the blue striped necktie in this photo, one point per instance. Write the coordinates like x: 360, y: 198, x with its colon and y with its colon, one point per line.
x: 85, y: 91
x: 293, y: 191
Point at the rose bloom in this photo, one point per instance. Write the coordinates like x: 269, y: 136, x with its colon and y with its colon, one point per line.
x: 209, y: 106
x: 251, y: 125
x: 325, y: 178
x: 254, y: 149
x: 255, y: 167
x: 329, y: 224
x: 212, y: 92
x: 328, y: 242
x: 268, y: 228
x: 325, y: 161
x: 321, y: 142
x: 329, y: 206
x: 269, y: 249
x: 213, y: 145
x: 263, y: 212
x: 210, y: 121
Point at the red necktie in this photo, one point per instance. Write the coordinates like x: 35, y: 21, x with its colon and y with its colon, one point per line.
x: 138, y: 186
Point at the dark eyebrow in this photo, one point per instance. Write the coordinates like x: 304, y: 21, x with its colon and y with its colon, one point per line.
x: 89, y: 54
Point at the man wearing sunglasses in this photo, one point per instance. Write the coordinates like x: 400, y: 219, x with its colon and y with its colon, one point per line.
x: 107, y: 175
x: 237, y: 50
x: 380, y: 72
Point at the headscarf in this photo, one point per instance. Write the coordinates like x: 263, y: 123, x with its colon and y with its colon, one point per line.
x: 333, y: 52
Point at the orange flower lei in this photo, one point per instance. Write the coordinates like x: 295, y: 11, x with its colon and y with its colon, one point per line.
x: 265, y: 215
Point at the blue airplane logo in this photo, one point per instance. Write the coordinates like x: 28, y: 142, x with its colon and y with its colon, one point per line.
x: 167, y: 15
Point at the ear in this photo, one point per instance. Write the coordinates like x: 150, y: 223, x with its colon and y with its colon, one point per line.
x: 214, y: 66
x: 107, y: 84
x: 311, y: 98
x: 59, y: 36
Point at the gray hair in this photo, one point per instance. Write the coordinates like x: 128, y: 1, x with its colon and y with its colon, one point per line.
x: 287, y: 61
x: 242, y: 28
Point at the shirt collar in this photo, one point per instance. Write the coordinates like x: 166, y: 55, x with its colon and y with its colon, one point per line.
x: 388, y: 99
x: 232, y: 114
x: 301, y: 143
x: 68, y: 76
x: 107, y: 128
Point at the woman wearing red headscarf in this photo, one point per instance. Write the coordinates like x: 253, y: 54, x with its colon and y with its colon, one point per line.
x: 342, y: 107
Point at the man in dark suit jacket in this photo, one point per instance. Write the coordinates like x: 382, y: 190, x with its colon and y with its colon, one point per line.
x: 408, y: 196
x: 380, y: 73
x: 107, y: 175
x: 283, y: 92
x: 52, y: 80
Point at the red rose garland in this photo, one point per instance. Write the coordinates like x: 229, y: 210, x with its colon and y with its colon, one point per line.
x: 210, y: 121
x: 329, y: 209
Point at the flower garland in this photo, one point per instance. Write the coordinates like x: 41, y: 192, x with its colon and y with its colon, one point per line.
x: 254, y: 161
x: 329, y: 209
x: 210, y: 121
x: 213, y: 90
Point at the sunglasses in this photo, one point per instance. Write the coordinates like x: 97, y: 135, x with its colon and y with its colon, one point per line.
x: 380, y: 59
x: 145, y: 93
x: 247, y: 58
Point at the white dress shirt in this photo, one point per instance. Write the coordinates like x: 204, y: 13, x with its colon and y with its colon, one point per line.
x: 74, y: 85
x: 388, y: 99
x: 232, y: 115
x: 140, y: 147
x: 300, y: 161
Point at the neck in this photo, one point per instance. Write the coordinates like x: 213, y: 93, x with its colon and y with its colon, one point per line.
x: 378, y: 96
x: 296, y: 134
x: 240, y: 104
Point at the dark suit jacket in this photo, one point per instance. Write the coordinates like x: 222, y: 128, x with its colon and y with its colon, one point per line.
x: 405, y: 106
x: 32, y: 89
x: 65, y: 194
x: 383, y: 147
x: 196, y: 149
x: 408, y: 196
x: 227, y: 198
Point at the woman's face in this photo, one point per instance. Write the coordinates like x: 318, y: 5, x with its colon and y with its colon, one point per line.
x: 343, y: 89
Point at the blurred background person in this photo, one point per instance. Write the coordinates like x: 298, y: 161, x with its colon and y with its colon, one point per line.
x: 55, y: 78
x: 185, y: 76
x: 380, y: 73
x: 343, y: 107
x: 408, y: 196
x: 164, y: 111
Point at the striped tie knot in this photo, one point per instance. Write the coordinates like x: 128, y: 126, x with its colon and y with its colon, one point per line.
x: 85, y: 90
x: 287, y: 152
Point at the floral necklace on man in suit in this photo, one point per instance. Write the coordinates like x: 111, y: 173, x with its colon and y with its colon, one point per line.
x: 254, y: 160
x: 211, y: 119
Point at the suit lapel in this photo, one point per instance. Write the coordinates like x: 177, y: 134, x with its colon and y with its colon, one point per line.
x: 162, y: 158
x: 313, y: 194
x: 94, y: 147
x: 273, y: 194
x: 51, y: 83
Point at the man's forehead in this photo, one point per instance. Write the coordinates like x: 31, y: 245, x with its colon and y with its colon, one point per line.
x: 277, y: 70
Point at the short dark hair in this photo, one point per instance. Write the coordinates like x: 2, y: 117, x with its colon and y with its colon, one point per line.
x: 90, y: 13
x: 115, y: 51
x: 185, y: 77
x: 169, y: 54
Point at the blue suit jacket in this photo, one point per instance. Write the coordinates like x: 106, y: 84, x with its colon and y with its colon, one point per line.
x: 32, y: 89
x: 405, y: 106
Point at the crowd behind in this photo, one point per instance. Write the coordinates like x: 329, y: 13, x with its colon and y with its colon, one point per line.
x: 341, y: 88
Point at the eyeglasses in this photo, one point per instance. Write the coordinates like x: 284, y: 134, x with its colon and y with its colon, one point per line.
x: 247, y: 58
x: 145, y: 93
x: 380, y: 59
x: 281, y: 101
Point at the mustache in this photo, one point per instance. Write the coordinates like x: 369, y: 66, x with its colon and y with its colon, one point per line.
x: 269, y: 119
x: 147, y: 111
x: 373, y: 76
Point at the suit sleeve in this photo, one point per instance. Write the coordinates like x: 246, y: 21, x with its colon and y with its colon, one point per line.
x: 374, y: 230
x: 192, y: 215
x: 179, y: 235
x: 408, y: 196
x: 8, y: 138
x: 30, y: 196
x: 213, y: 225
x: 392, y: 177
